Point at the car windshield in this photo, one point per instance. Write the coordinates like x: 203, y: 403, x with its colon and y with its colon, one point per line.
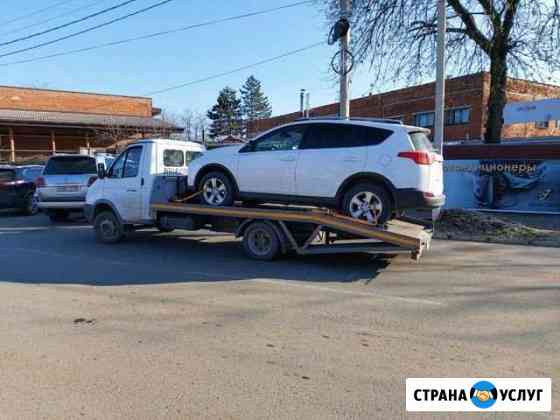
x: 74, y: 165
x: 31, y: 174
x: 421, y: 141
x: 7, y: 175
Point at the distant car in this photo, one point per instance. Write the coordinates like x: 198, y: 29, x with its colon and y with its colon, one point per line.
x: 63, y: 186
x: 368, y: 169
x: 17, y: 187
x: 105, y: 158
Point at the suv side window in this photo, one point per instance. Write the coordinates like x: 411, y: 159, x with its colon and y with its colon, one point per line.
x: 190, y: 156
x: 375, y: 136
x: 132, y: 163
x: 288, y: 138
x: 331, y: 136
x: 7, y: 175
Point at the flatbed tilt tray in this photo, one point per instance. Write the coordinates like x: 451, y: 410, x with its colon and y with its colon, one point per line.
x: 270, y: 231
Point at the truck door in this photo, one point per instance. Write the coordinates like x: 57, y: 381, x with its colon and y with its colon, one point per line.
x: 124, y: 185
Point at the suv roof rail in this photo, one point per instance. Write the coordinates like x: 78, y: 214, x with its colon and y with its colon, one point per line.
x: 335, y: 118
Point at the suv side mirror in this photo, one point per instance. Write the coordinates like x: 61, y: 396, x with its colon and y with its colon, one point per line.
x: 249, y: 147
x: 101, y: 172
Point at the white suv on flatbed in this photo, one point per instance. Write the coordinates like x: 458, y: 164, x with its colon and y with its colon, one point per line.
x: 369, y: 169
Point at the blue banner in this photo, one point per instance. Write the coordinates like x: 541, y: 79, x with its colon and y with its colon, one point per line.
x: 527, y: 186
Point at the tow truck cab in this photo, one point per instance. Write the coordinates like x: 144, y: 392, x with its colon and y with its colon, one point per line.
x: 148, y: 171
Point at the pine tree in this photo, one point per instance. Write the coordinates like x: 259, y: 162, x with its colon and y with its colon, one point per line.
x: 256, y: 105
x: 226, y: 115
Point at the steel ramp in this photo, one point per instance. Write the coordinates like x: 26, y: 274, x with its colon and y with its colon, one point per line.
x: 409, y: 236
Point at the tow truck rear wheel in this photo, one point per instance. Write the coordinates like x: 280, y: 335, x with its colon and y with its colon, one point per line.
x: 261, y: 242
x: 108, y: 229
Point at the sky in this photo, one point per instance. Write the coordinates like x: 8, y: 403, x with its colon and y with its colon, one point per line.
x: 150, y: 65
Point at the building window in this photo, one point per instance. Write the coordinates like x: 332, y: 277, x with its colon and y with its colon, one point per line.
x: 541, y: 124
x: 457, y: 116
x: 425, y: 119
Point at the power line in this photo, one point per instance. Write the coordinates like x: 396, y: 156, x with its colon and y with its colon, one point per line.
x: 84, y: 31
x: 67, y: 24
x: 66, y: 13
x: 157, y: 34
x: 237, y: 70
x: 36, y: 12
x: 226, y: 73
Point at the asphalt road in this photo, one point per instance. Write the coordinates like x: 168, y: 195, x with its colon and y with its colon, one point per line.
x: 182, y: 326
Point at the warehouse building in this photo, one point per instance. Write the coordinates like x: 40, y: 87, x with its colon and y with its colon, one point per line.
x: 35, y: 123
x: 465, y: 115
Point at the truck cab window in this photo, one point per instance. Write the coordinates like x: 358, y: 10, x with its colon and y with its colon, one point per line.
x: 173, y: 158
x: 117, y: 167
x: 132, y: 163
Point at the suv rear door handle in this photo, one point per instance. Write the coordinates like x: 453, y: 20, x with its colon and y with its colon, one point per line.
x: 131, y: 190
x: 351, y: 159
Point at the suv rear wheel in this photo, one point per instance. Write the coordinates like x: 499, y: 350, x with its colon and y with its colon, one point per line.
x: 216, y: 190
x: 369, y: 202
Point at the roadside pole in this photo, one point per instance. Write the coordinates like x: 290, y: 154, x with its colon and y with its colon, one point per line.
x: 440, y: 78
x: 439, y: 122
x: 345, y: 11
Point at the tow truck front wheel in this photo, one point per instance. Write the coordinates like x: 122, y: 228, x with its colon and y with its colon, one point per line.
x: 261, y: 242
x: 108, y: 229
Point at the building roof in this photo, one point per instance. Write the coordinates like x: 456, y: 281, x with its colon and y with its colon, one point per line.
x: 71, y: 119
x: 79, y: 92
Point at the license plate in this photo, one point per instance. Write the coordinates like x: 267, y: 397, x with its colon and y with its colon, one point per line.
x: 70, y: 188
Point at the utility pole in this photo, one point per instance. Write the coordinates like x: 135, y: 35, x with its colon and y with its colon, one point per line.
x: 345, y: 12
x: 441, y: 75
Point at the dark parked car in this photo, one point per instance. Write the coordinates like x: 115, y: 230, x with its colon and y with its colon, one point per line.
x: 17, y: 188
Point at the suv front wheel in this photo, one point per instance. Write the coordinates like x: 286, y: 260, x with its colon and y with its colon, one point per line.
x: 369, y: 202
x: 216, y: 190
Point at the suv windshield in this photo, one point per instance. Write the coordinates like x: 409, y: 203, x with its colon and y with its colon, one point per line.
x: 74, y: 165
x: 421, y: 141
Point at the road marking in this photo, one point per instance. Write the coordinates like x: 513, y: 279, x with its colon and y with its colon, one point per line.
x: 293, y: 283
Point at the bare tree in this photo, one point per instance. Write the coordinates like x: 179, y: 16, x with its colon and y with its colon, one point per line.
x: 112, y: 134
x: 200, y: 127
x: 508, y: 37
x: 187, y: 121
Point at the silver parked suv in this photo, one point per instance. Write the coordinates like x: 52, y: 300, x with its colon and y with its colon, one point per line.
x: 64, y: 184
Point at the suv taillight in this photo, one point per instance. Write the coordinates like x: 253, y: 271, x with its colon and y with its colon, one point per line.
x: 91, y: 181
x: 40, y: 182
x: 419, y: 157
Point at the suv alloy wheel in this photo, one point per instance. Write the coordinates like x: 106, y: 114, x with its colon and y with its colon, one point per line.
x: 217, y: 190
x: 368, y: 202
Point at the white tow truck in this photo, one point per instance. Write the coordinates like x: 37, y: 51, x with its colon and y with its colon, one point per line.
x: 147, y: 187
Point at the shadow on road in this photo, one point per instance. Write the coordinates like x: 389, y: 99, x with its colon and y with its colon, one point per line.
x: 68, y: 254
